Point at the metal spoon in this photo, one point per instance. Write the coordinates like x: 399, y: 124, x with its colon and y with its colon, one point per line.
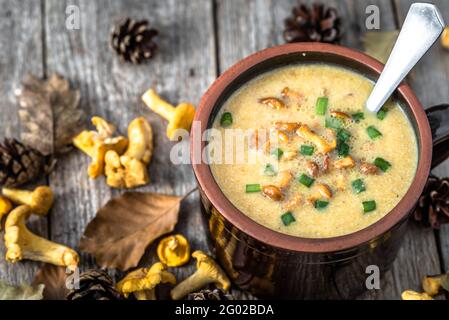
x: 422, y: 27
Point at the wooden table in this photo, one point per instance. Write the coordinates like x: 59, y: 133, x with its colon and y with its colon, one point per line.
x: 198, y: 40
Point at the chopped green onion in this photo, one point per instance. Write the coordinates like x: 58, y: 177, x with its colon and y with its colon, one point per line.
x: 369, y: 206
x: 358, y: 186
x: 359, y: 116
x: 251, y: 188
x: 382, y: 164
x: 382, y: 113
x: 333, y: 123
x: 226, y: 119
x: 319, y: 204
x: 306, y: 180
x: 321, y: 106
x: 373, y: 133
x: 343, y: 135
x: 342, y: 148
x: 269, y: 170
x: 287, y: 218
x: 307, y: 150
x: 277, y: 153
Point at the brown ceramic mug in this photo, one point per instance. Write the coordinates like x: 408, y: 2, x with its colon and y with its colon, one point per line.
x: 272, y: 264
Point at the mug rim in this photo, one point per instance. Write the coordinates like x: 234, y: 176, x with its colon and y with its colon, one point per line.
x: 214, y: 194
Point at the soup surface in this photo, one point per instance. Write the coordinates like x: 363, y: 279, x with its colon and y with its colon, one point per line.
x: 315, y: 163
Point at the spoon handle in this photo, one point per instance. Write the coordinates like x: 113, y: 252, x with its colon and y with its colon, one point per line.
x: 422, y: 27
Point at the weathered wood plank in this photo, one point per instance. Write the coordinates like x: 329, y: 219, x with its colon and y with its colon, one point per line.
x: 247, y: 26
x: 182, y: 69
x: 20, y: 53
x: 429, y: 80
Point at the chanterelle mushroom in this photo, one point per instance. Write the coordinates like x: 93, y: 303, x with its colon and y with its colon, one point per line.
x: 130, y: 169
x: 412, y: 295
x: 142, y: 282
x: 179, y: 117
x: 208, y: 271
x: 174, y: 251
x: 96, y: 143
x: 22, y: 244
x: 5, y: 207
x: 40, y: 200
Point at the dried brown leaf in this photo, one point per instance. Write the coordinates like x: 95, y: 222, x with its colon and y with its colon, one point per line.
x: 54, y: 279
x: 49, y: 113
x: 379, y: 44
x: 127, y: 225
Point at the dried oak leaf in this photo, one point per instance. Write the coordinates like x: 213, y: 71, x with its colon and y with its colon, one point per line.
x: 49, y: 113
x: 379, y: 44
x: 24, y: 292
x: 127, y: 225
x: 54, y: 279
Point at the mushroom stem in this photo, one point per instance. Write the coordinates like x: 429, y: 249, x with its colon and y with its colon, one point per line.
x: 158, y: 105
x: 40, y: 200
x: 145, y: 295
x: 22, y: 244
x: 193, y: 283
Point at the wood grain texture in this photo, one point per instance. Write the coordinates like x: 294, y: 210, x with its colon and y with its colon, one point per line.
x: 247, y: 26
x: 430, y: 79
x: 20, y: 53
x: 182, y: 69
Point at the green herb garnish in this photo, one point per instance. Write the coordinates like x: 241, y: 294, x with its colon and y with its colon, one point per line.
x: 333, y: 123
x: 382, y: 113
x: 343, y: 135
x: 382, y: 164
x: 277, y: 153
x: 269, y: 170
x: 287, y: 218
x: 373, y: 133
x: 319, y: 204
x: 369, y: 206
x: 358, y: 186
x: 226, y: 119
x: 342, y: 148
x: 307, y: 150
x: 306, y: 180
x: 251, y: 188
x: 359, y: 116
x: 321, y: 105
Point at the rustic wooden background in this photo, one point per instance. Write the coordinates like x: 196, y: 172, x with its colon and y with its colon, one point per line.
x: 198, y: 40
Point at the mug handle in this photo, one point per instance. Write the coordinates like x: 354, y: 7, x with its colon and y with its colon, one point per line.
x: 439, y: 123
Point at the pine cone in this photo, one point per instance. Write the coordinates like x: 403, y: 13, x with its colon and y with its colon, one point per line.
x: 94, y: 285
x: 216, y: 294
x: 316, y: 24
x: 19, y: 164
x: 433, y: 205
x: 133, y: 40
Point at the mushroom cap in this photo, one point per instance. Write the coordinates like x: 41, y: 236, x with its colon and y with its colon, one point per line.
x: 412, y: 295
x: 209, y: 267
x: 181, y: 119
x: 174, y: 250
x: 145, y: 279
x: 42, y: 200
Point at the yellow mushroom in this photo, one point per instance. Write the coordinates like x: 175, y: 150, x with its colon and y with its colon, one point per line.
x: 345, y: 163
x: 179, y: 117
x: 142, y: 282
x: 40, y: 200
x: 5, y: 207
x: 445, y: 38
x: 322, y: 145
x: 208, y: 271
x: 174, y: 251
x: 130, y: 169
x: 432, y: 284
x: 96, y: 143
x: 140, y: 138
x: 22, y: 244
x: 412, y: 295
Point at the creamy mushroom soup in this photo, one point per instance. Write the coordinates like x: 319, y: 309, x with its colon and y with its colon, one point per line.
x: 317, y: 164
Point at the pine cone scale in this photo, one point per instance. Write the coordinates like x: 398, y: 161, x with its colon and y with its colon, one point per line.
x: 94, y: 285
